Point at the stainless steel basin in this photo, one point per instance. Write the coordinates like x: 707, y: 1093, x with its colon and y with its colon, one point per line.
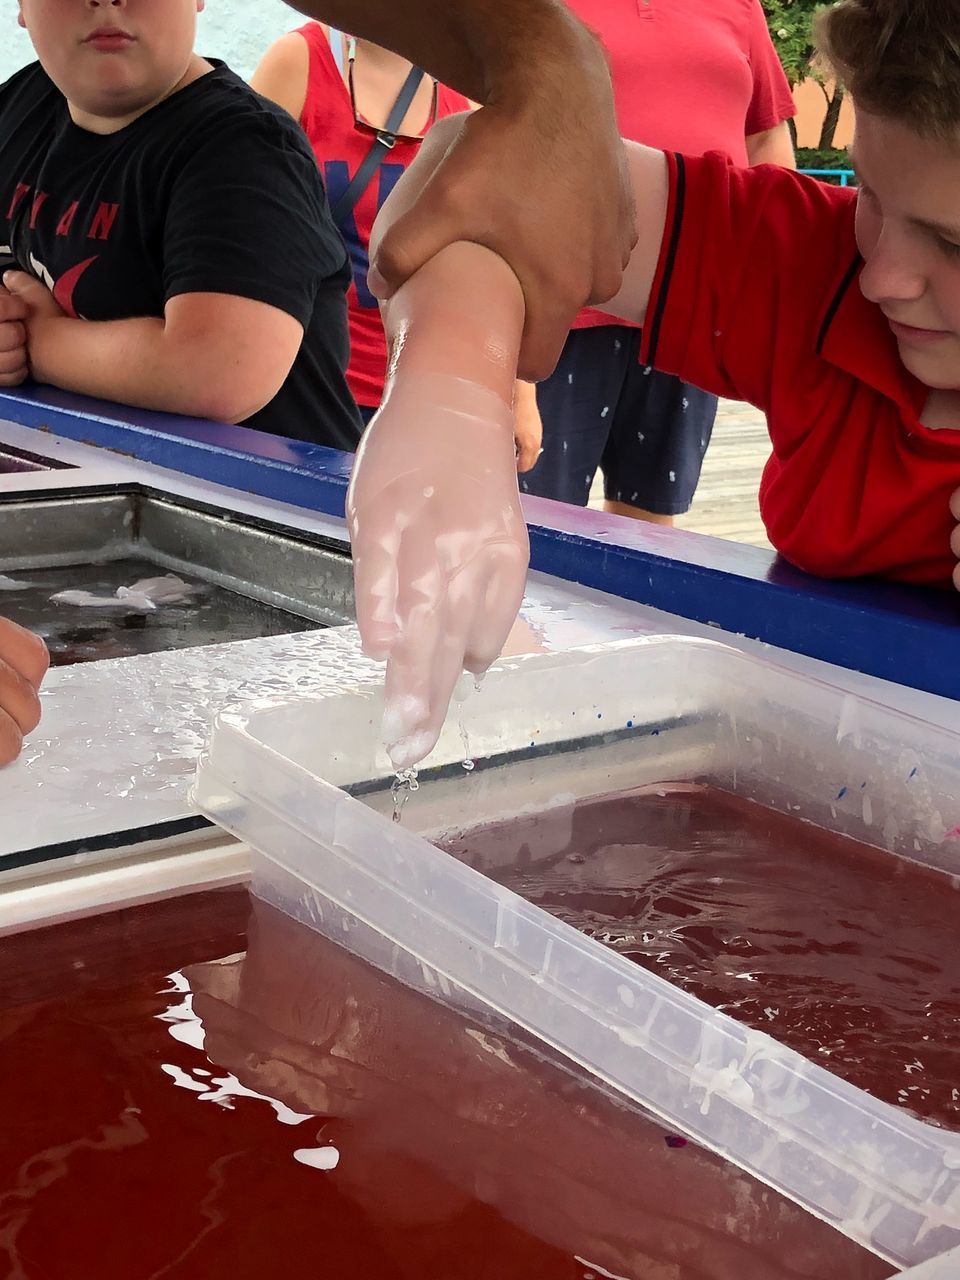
x: 13, y: 459
x: 249, y: 578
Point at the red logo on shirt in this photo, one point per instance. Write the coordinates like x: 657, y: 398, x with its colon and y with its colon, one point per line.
x: 64, y: 288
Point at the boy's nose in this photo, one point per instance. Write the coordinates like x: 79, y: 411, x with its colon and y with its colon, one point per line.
x: 893, y: 270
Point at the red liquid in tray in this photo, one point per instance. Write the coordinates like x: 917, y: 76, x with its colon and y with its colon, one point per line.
x: 401, y: 1143
x: 844, y: 953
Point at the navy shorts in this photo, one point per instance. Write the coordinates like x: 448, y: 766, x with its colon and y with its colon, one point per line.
x: 647, y: 431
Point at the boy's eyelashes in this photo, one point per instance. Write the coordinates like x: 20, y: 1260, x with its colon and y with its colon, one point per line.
x: 949, y: 248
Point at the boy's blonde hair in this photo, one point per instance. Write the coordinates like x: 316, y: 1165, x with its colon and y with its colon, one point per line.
x: 899, y: 59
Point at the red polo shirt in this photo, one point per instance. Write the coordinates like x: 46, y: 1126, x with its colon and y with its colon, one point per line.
x: 690, y: 76
x: 756, y: 298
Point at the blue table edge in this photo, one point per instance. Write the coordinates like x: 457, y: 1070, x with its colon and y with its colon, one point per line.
x: 905, y: 634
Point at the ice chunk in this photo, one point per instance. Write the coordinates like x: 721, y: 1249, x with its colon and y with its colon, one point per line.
x: 131, y: 602
x: 168, y: 589
x: 142, y: 597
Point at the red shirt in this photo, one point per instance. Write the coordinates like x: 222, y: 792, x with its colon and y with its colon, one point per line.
x: 690, y: 76
x: 756, y: 297
x: 340, y: 146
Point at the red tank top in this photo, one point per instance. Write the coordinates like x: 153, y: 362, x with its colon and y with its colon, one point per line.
x: 340, y: 147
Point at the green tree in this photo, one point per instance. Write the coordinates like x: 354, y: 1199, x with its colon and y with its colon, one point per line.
x: 791, y: 27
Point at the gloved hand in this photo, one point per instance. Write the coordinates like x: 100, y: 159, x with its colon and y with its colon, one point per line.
x: 440, y: 546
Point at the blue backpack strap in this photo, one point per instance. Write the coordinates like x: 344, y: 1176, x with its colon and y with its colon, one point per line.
x: 386, y: 138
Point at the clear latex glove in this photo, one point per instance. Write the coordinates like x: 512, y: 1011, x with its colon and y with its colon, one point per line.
x: 440, y: 546
x: 23, y: 663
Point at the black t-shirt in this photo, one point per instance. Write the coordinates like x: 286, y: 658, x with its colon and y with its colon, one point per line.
x: 214, y: 190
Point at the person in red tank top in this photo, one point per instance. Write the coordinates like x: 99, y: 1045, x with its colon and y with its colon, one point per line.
x: 341, y: 90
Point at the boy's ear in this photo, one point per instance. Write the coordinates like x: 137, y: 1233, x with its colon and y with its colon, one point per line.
x: 201, y: 5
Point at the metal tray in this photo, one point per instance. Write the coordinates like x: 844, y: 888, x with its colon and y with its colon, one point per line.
x: 248, y: 578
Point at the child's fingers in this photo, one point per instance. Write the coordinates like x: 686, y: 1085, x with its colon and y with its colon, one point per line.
x: 12, y: 372
x: 13, y: 350
x: 23, y: 653
x: 11, y: 739
x: 12, y: 307
x: 13, y: 335
x: 528, y: 451
x: 19, y: 699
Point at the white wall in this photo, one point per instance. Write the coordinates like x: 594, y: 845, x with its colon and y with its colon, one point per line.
x: 238, y: 31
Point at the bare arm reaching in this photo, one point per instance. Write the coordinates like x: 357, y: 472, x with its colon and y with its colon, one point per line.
x: 439, y: 541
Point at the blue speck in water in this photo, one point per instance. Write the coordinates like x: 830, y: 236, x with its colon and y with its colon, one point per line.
x: 629, y: 724
x: 533, y: 744
x: 863, y: 786
x: 913, y: 772
x: 841, y: 793
x: 599, y: 715
x: 654, y: 733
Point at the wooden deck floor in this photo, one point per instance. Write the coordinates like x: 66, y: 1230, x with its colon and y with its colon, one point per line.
x: 725, y: 504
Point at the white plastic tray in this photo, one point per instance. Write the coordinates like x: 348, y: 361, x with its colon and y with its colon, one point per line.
x: 549, y: 728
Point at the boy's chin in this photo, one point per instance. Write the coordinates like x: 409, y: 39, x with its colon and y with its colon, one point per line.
x: 940, y: 370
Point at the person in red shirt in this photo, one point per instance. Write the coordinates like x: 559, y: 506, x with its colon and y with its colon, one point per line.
x: 690, y: 76
x: 342, y: 90
x: 834, y: 310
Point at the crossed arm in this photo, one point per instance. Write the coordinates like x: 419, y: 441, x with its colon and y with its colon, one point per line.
x: 211, y: 355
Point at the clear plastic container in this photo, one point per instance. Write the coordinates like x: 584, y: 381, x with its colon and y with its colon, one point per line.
x: 946, y: 1267
x: 307, y: 785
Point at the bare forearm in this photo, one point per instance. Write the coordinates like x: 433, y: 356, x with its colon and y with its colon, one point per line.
x: 480, y: 47
x: 774, y: 146
x: 131, y: 361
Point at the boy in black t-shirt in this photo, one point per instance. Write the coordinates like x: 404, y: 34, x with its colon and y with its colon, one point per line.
x: 167, y: 228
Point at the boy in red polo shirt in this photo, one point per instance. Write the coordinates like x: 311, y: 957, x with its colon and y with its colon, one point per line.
x: 835, y: 311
